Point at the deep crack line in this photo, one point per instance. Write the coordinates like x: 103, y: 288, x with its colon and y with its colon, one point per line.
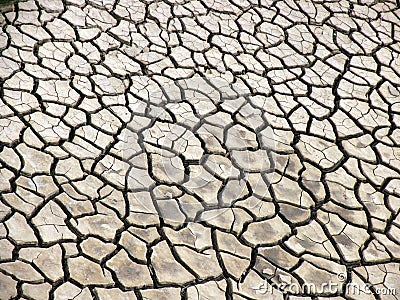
x: 199, y: 149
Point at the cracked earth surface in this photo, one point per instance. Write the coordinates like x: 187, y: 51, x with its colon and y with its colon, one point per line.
x: 199, y: 149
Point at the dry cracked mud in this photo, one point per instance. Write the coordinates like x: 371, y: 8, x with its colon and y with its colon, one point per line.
x: 200, y: 149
